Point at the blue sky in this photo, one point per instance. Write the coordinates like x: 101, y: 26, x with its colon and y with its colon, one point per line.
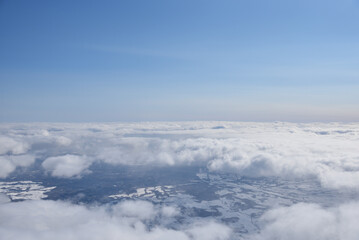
x: 179, y: 60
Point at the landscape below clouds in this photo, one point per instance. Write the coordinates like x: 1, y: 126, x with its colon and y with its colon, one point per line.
x: 260, y: 181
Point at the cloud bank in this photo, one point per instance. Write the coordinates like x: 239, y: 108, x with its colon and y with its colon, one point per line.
x: 135, y: 220
x: 311, y: 222
x: 328, y: 152
x: 131, y: 220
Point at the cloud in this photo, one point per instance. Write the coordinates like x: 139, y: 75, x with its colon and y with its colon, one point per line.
x: 311, y: 222
x: 209, y: 231
x: 40, y: 219
x: 325, y: 151
x: 7, y: 167
x: 339, y: 179
x: 169, y: 211
x: 4, y: 198
x: 328, y: 152
x: 136, y: 209
x: 9, y: 163
x: 11, y: 146
x: 22, y: 160
x: 67, y: 165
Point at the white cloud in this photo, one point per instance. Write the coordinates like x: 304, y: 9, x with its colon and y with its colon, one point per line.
x: 9, y: 163
x: 6, y: 168
x: 311, y: 222
x: 67, y: 165
x: 22, y: 160
x: 327, y: 151
x: 136, y: 209
x: 4, y: 198
x: 169, y: 211
x: 210, y: 231
x: 11, y: 146
x: 61, y: 140
x: 36, y: 220
x: 339, y: 179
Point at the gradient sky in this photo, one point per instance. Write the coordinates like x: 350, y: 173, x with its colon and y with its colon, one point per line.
x: 257, y: 60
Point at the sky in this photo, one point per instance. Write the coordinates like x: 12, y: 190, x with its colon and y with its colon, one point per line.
x: 93, y: 61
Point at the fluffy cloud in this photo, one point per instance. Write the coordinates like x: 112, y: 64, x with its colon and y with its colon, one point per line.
x: 9, y: 163
x: 11, y: 146
x: 36, y: 220
x: 67, y: 165
x: 209, y: 231
x: 45, y: 219
x: 136, y: 209
x: 6, y: 167
x: 311, y: 222
x: 326, y: 151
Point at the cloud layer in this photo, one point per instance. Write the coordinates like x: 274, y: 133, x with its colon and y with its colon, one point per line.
x: 311, y: 222
x: 326, y: 151
x: 131, y: 220
x: 135, y: 220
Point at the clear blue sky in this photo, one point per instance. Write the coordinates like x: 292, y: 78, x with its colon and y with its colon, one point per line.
x: 249, y: 60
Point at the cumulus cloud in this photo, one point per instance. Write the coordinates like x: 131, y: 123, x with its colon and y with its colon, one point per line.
x: 210, y: 230
x: 67, y: 165
x: 136, y: 209
x: 6, y: 167
x: 8, y: 163
x: 326, y: 151
x: 169, y: 211
x: 36, y: 220
x: 11, y: 146
x: 311, y: 222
